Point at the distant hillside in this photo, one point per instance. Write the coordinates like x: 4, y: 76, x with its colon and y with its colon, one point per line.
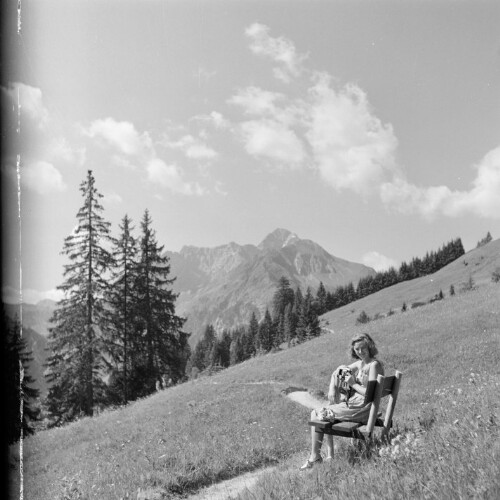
x: 37, y: 345
x: 477, y: 264
x: 222, y: 286
x: 35, y: 316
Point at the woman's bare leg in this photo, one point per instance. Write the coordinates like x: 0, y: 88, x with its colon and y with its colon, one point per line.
x: 316, y: 440
x: 329, y: 446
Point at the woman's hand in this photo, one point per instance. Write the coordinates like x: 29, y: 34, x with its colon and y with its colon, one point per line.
x: 351, y: 380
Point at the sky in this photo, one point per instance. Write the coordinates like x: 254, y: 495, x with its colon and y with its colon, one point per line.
x: 369, y: 127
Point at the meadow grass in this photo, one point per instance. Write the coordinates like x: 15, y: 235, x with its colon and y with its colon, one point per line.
x: 211, y: 429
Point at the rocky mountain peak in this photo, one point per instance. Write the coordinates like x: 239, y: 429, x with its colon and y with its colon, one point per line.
x: 278, y: 239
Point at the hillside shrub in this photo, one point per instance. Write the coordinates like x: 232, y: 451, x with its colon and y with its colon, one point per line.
x: 452, y: 290
x: 363, y: 318
x: 417, y: 304
x: 469, y: 285
x: 495, y: 277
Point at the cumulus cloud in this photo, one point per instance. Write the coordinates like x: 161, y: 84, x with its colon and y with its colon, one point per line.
x: 192, y: 147
x: 378, y: 261
x: 483, y: 199
x: 170, y: 176
x: 60, y: 148
x: 32, y: 296
x: 271, y: 139
x: 280, y: 49
x: 351, y: 147
x: 335, y: 130
x: 112, y: 198
x: 121, y: 135
x: 30, y: 101
x: 270, y: 133
x: 42, y: 177
x: 256, y: 101
x: 214, y: 118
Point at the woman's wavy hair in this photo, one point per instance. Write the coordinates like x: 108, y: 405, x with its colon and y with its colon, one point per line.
x: 364, y: 337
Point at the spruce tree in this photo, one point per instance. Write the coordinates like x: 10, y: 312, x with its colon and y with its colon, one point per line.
x: 163, y: 350
x: 321, y: 299
x: 290, y: 324
x: 122, y: 299
x: 252, y: 333
x: 77, y: 337
x: 282, y: 297
x: 266, y: 333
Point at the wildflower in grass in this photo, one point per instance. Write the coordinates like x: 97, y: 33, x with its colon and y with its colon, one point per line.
x: 400, y: 446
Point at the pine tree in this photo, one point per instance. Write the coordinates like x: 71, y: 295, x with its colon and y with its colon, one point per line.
x: 21, y: 396
x: 265, y: 335
x: 77, y: 337
x: 163, y: 349
x: 236, y: 348
x: 311, y: 320
x: 282, y: 297
x: 321, y: 299
x: 122, y: 299
x: 290, y: 324
x: 253, y: 332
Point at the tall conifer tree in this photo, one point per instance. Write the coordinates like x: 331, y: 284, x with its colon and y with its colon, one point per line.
x: 76, y: 366
x: 122, y: 299
x: 165, y: 350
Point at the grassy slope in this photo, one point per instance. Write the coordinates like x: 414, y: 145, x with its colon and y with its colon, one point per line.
x: 215, y: 428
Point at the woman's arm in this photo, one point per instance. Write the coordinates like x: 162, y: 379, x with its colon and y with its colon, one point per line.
x: 376, y: 369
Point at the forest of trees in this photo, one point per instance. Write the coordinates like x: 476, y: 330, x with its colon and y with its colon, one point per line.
x: 115, y: 334
x: 417, y: 268
x: 293, y: 319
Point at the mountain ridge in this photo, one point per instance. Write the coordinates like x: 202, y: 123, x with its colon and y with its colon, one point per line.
x: 224, y: 285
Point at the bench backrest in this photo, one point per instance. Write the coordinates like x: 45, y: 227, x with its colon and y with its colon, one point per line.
x: 376, y: 390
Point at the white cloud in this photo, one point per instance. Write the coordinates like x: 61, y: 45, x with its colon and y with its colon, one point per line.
x: 216, y: 119
x: 219, y: 121
x: 170, y: 176
x: 483, y: 199
x: 42, y: 177
x: 336, y: 130
x: 271, y: 139
x: 60, y: 148
x: 281, y: 50
x: 351, y: 147
x: 112, y: 198
x: 192, y: 147
x: 122, y: 135
x: 200, y: 151
x: 30, y: 101
x: 256, y: 101
x: 31, y: 296
x: 378, y: 261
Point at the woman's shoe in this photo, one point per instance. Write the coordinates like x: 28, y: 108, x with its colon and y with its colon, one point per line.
x: 328, y: 459
x: 309, y: 464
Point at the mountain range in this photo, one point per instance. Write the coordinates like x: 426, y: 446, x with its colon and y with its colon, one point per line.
x: 223, y: 286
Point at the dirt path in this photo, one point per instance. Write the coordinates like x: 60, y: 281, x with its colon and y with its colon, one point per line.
x: 231, y: 488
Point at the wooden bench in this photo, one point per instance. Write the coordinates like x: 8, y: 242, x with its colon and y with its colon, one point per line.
x: 376, y: 390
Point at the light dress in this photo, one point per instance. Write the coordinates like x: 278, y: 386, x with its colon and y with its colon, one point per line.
x: 354, y: 409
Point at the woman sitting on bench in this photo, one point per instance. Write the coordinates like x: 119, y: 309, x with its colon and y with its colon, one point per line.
x: 346, y: 394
